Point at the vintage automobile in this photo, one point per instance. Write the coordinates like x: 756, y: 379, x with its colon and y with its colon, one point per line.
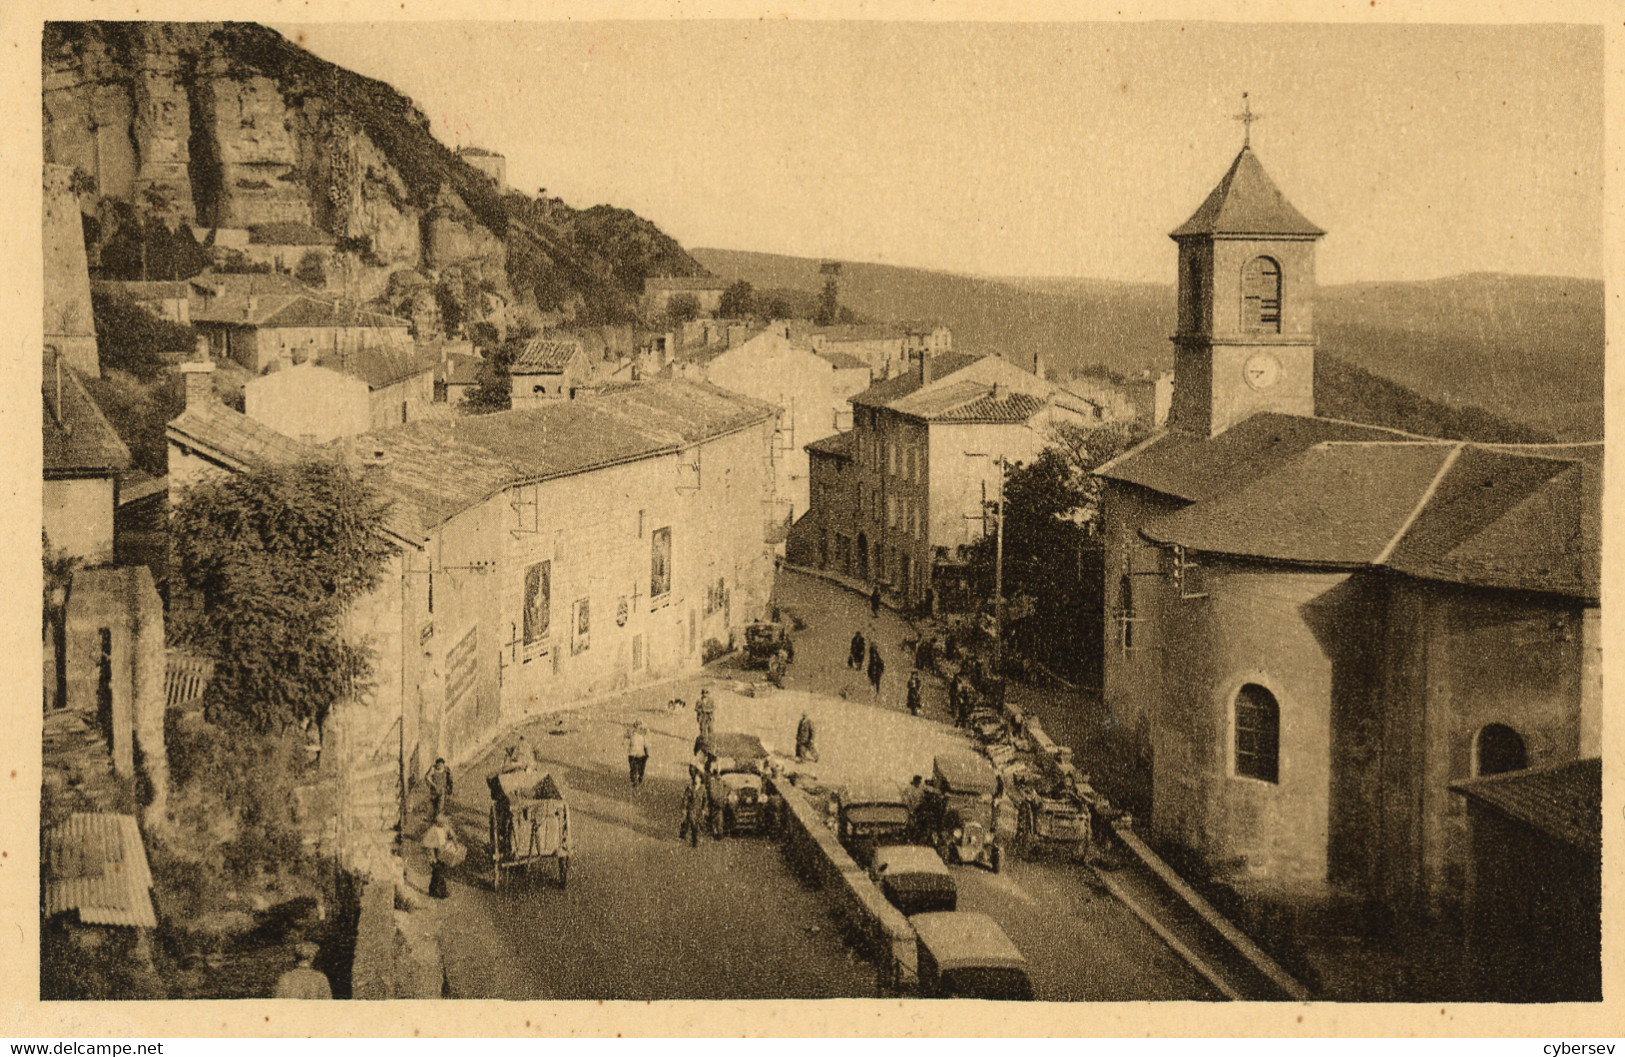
x: 740, y: 803
x: 1053, y: 805
x: 868, y: 816
x: 763, y: 639
x: 913, y: 878
x: 967, y: 955
x: 960, y: 810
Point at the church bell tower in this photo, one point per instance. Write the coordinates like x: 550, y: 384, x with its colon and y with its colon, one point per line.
x: 1246, y: 337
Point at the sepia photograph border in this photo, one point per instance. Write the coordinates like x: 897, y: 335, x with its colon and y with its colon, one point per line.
x: 23, y: 1015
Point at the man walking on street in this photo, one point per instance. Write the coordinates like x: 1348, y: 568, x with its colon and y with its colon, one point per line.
x: 439, y: 782
x: 804, y: 740
x: 693, y: 809
x: 705, y: 713
x: 874, y: 602
x: 914, y: 693
x: 637, y: 752
x: 854, y: 659
x: 877, y: 668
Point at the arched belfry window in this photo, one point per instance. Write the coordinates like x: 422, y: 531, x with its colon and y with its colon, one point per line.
x: 1261, y: 296
x: 1498, y: 749
x: 1258, y: 734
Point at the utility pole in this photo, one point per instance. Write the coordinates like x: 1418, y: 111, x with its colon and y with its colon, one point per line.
x: 998, y: 557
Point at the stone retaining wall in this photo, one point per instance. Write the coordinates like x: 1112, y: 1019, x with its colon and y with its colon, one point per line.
x: 879, y: 928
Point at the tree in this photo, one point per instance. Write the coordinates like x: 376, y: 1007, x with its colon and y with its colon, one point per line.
x: 130, y: 338
x: 682, y: 308
x: 829, y: 304
x: 1053, y: 562
x: 312, y: 269
x: 265, y: 564
x: 738, y: 301
x: 495, y: 391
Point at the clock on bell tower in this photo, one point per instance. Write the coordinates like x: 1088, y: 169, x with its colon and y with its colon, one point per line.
x: 1245, y: 341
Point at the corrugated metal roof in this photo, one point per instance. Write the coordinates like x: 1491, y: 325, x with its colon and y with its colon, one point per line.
x: 1562, y: 800
x: 1246, y: 202
x: 95, y: 864
x: 77, y: 437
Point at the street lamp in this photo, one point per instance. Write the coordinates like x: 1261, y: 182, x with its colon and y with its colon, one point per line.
x: 998, y: 557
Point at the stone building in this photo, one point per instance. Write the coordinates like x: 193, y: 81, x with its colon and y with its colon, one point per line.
x: 809, y: 390
x: 548, y: 369
x: 1320, y: 625
x: 83, y: 459
x: 257, y: 331
x: 340, y: 396
x: 659, y: 291
x: 926, y: 460
x: 823, y: 537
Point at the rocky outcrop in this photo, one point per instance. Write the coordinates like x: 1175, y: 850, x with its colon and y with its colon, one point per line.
x: 229, y: 126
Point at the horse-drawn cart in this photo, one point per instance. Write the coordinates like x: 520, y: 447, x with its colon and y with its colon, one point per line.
x: 530, y: 823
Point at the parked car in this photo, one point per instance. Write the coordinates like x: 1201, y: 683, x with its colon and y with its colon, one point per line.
x: 966, y: 955
x: 868, y: 816
x: 913, y: 878
x: 764, y: 639
x: 740, y: 803
x: 960, y: 810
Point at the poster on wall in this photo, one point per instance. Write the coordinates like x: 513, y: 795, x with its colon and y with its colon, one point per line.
x: 538, y: 601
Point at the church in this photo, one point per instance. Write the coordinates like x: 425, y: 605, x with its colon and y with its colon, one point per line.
x: 1317, y: 625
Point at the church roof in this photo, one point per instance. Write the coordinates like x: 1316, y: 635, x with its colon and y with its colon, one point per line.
x: 1562, y: 800
x: 1246, y: 202
x: 1194, y: 468
x: 1498, y: 516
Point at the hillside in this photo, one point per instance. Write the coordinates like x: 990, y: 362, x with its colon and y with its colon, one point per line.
x: 228, y: 125
x: 1525, y: 348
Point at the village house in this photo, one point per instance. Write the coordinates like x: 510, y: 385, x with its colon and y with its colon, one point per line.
x: 927, y: 459
x: 84, y: 459
x: 883, y: 346
x: 340, y: 396
x: 659, y: 291
x: 171, y: 301
x: 1321, y: 625
x: 810, y: 393
x: 548, y: 369
x: 259, y: 330
x: 541, y: 556
x: 822, y: 538
x: 285, y: 246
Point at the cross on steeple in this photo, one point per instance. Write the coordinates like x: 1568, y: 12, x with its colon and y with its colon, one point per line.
x: 1247, y: 117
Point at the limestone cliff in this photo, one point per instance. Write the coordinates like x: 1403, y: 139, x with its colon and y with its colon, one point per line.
x: 230, y: 126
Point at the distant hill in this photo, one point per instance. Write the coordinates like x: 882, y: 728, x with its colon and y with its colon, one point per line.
x: 1526, y: 348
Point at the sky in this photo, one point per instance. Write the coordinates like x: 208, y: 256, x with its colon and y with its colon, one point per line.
x: 1030, y: 149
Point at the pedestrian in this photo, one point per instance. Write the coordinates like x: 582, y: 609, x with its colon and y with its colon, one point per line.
x: 877, y: 668
x: 438, y: 841
x: 439, y: 782
x: 637, y: 752
x: 775, y: 669
x: 304, y: 980
x: 855, y: 658
x: 694, y: 805
x: 705, y: 713
x: 922, y: 653
x: 804, y: 740
x: 914, y: 692
x: 874, y: 601
x: 789, y: 649
x: 956, y: 698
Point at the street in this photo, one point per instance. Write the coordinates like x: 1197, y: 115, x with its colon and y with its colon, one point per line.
x: 645, y: 916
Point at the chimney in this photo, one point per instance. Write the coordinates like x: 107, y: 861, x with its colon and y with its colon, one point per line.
x: 1038, y: 367
x: 202, y: 346
x: 374, y: 462
x: 199, y: 376
x: 925, y: 367
x: 1000, y: 391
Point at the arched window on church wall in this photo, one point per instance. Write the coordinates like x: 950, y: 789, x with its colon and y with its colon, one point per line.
x: 1497, y: 749
x: 1258, y: 734
x: 1261, y: 296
